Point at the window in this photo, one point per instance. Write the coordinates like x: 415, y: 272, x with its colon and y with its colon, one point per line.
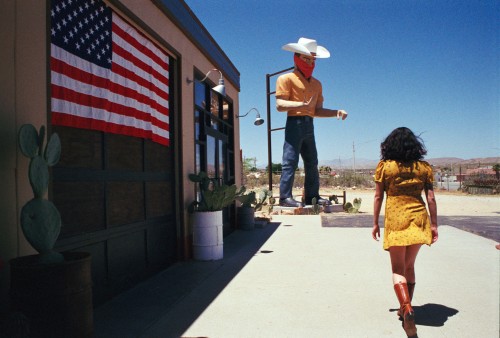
x: 214, y: 139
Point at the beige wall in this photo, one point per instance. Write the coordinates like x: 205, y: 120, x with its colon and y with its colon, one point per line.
x: 190, y: 59
x: 8, y: 224
x: 23, y: 92
x: 23, y: 99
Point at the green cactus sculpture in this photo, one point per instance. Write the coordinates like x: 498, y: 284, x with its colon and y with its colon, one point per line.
x: 213, y: 197
x: 247, y: 199
x: 353, y: 207
x: 261, y: 200
x: 252, y: 199
x: 40, y: 219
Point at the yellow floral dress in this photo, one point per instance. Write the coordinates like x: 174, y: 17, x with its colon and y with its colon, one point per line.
x: 406, y: 218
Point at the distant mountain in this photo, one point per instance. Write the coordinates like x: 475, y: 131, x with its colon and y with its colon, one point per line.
x: 363, y: 163
x: 446, y: 161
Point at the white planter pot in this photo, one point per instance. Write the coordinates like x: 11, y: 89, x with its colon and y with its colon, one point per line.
x: 208, y: 244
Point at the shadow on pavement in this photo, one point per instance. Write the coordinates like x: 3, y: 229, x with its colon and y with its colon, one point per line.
x: 484, y: 226
x: 134, y: 312
x: 432, y: 314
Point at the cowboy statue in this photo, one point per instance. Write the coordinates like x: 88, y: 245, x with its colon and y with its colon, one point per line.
x: 301, y: 96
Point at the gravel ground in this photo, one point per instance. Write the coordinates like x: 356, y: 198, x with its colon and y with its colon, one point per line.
x: 449, y: 204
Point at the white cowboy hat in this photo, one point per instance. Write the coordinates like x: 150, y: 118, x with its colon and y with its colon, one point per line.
x: 307, y: 47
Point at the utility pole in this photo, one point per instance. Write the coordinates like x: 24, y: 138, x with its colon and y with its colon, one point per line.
x: 354, y: 159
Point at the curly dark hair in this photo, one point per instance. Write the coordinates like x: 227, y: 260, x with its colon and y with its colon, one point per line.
x: 402, y: 145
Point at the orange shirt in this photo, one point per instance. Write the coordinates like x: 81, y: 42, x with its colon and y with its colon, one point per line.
x: 294, y: 87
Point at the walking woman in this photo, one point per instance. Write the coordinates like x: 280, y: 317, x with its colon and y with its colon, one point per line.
x: 403, y: 175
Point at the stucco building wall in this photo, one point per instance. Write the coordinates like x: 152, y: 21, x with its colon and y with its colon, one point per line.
x: 24, y: 98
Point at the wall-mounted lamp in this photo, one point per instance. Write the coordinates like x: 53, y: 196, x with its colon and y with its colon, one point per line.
x: 258, y: 120
x: 220, y: 88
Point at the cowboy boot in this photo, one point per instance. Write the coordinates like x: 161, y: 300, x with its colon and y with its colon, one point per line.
x: 411, y: 288
x: 406, y: 310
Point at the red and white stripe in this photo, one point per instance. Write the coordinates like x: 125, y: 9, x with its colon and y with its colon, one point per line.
x: 131, y: 98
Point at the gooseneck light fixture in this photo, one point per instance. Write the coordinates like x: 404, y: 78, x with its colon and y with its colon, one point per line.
x: 258, y: 120
x: 220, y: 88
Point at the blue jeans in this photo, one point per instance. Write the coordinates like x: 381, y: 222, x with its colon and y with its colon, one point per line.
x: 299, y: 140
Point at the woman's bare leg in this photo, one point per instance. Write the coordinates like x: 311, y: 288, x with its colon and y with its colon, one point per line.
x: 410, y: 257
x: 403, y: 272
x: 403, y: 263
x: 398, y: 259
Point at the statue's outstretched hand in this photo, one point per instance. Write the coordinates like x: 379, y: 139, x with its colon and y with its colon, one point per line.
x: 342, y: 114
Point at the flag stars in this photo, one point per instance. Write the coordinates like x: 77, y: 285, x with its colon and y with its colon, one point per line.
x: 82, y: 27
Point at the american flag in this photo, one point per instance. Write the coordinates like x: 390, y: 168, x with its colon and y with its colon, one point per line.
x: 105, y: 74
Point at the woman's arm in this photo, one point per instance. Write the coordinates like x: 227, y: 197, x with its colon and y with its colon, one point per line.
x: 377, y: 205
x: 432, y: 205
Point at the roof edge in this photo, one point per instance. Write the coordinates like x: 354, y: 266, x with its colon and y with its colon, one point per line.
x: 184, y: 18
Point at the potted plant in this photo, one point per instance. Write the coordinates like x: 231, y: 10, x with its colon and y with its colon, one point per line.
x: 206, y: 218
x: 250, y: 203
x: 53, y: 290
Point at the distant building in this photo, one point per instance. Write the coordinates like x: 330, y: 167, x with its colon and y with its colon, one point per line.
x: 486, y: 173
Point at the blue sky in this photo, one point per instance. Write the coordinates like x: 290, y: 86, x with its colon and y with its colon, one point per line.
x: 430, y: 65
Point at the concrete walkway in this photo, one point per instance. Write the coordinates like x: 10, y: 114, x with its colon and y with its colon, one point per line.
x: 297, y: 278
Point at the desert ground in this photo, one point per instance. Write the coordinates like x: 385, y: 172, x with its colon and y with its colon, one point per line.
x: 448, y: 203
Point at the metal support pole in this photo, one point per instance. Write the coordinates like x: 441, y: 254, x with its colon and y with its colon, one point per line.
x: 269, y: 155
x: 269, y: 129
